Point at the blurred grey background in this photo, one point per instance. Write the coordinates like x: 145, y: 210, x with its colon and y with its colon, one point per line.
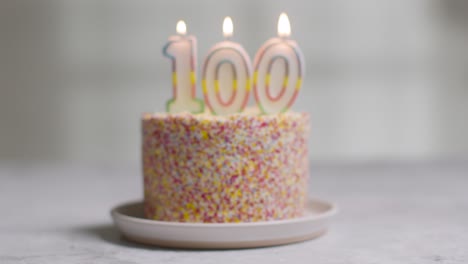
x: 385, y: 79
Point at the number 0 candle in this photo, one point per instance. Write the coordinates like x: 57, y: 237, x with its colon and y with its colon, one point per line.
x: 226, y: 75
x: 182, y: 50
x: 287, y: 56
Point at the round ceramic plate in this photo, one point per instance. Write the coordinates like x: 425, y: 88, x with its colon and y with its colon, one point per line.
x: 130, y: 221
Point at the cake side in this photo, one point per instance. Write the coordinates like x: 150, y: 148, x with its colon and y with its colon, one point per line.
x: 237, y: 168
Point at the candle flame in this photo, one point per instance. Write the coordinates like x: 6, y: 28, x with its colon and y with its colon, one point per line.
x: 284, y: 28
x: 228, y: 28
x: 181, y: 27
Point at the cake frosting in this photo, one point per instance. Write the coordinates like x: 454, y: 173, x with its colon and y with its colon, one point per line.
x: 217, y: 169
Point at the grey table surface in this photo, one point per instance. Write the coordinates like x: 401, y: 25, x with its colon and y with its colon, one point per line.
x: 389, y: 213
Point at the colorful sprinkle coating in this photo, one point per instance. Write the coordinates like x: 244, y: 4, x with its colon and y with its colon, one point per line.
x: 217, y: 169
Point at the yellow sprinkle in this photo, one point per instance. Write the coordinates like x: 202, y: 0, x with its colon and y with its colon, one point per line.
x: 216, y: 183
x: 165, y: 183
x: 285, y: 81
x: 251, y: 165
x: 186, y: 216
x: 267, y: 79
x: 204, y: 134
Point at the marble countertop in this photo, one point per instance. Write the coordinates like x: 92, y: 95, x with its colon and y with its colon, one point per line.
x: 389, y: 213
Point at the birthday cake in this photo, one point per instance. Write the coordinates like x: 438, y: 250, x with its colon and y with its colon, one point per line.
x: 229, y: 163
x: 237, y: 168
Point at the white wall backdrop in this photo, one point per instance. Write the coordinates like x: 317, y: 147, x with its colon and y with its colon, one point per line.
x: 385, y: 79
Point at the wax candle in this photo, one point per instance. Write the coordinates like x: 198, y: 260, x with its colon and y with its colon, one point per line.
x: 285, y: 55
x: 226, y: 75
x: 182, y: 50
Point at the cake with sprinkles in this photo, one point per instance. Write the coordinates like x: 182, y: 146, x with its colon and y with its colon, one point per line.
x: 244, y: 167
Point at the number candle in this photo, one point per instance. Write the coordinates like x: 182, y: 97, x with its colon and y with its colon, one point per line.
x: 287, y: 56
x: 182, y: 50
x: 226, y: 71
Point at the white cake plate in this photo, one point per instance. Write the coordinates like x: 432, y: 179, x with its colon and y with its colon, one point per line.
x: 130, y: 221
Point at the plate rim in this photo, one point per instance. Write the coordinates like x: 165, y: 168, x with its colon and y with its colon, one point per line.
x: 117, y: 214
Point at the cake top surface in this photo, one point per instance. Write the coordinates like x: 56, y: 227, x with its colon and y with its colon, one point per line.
x: 248, y: 113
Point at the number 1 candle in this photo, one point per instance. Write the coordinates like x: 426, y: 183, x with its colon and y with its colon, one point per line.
x: 182, y: 50
x: 226, y: 71
x: 286, y: 52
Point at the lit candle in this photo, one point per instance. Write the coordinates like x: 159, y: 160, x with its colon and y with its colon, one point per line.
x: 182, y: 50
x: 287, y: 56
x: 226, y: 75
